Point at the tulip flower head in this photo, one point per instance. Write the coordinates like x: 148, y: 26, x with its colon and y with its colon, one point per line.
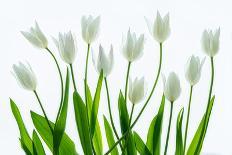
x: 103, y: 63
x: 210, y: 42
x: 137, y: 90
x: 90, y: 28
x: 25, y: 76
x: 193, y: 69
x: 160, y: 28
x: 172, y: 87
x: 36, y: 37
x: 133, y: 46
x: 66, y: 46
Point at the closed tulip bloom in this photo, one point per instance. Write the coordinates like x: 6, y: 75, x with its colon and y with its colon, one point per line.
x: 172, y: 87
x: 137, y: 90
x: 90, y: 28
x: 210, y: 42
x: 160, y: 28
x: 25, y: 76
x: 103, y: 62
x: 193, y: 69
x: 133, y: 46
x: 36, y: 37
x: 66, y: 46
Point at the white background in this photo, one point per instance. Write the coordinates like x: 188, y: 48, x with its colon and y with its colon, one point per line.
x: 188, y: 20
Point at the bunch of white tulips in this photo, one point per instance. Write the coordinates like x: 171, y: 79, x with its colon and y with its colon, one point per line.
x: 86, y: 109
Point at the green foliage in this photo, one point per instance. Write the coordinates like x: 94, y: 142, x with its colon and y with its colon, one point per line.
x: 179, y: 138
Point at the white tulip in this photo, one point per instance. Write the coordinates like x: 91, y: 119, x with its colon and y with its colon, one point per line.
x: 160, y: 28
x: 104, y: 62
x: 36, y: 37
x: 25, y: 76
x: 210, y: 42
x: 66, y: 46
x: 90, y: 28
x: 137, y: 90
x: 172, y: 87
x: 193, y: 69
x: 133, y: 46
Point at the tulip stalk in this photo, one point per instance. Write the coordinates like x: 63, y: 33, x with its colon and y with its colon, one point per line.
x: 86, y: 72
x: 73, y: 77
x: 127, y: 79
x: 188, y: 115
x: 169, y: 127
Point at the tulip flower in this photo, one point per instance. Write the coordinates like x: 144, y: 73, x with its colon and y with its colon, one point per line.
x: 133, y: 46
x: 90, y: 28
x: 172, y: 87
x: 103, y: 62
x: 137, y: 90
x: 25, y: 76
x: 160, y: 28
x: 66, y: 46
x: 36, y: 37
x: 193, y: 69
x: 210, y: 42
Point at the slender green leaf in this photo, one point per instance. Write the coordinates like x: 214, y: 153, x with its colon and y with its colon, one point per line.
x: 95, y: 106
x: 179, y: 138
x: 61, y: 121
x: 150, y: 134
x: 140, y: 145
x: 192, y: 150
x: 110, y: 137
x: 66, y: 146
x: 37, y: 145
x: 25, y: 139
x: 81, y: 115
x: 24, y: 147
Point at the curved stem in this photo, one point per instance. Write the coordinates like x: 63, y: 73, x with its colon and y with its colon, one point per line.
x: 73, y: 78
x: 141, y: 111
x: 45, y: 115
x: 131, y: 115
x: 199, y: 146
x: 61, y: 81
x: 110, y: 112
x: 189, y: 109
x: 127, y: 78
x: 169, y: 127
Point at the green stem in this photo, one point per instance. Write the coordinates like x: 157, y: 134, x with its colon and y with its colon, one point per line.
x: 189, y: 109
x: 131, y: 115
x: 199, y: 146
x: 45, y: 115
x: 73, y: 78
x: 143, y: 108
x: 169, y: 127
x: 127, y: 78
x: 110, y: 112
x: 61, y: 81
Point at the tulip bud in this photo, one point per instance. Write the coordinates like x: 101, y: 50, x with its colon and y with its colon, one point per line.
x: 210, y: 42
x: 36, y: 37
x: 66, y: 46
x: 193, y: 70
x: 104, y: 62
x: 133, y: 46
x: 90, y: 28
x: 172, y: 87
x: 25, y: 76
x: 137, y: 90
x: 160, y: 29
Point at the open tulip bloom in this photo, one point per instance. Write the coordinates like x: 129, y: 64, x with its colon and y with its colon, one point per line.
x: 86, y: 108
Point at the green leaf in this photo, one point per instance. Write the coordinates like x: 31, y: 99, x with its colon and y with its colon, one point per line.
x: 95, y: 106
x: 82, y: 123
x: 37, y: 145
x: 25, y: 139
x: 124, y: 122
x: 110, y: 137
x: 140, y: 145
x: 155, y: 130
x: 179, y: 138
x: 193, y: 150
x: 66, y: 146
x: 24, y: 147
x: 97, y: 137
x: 61, y: 121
